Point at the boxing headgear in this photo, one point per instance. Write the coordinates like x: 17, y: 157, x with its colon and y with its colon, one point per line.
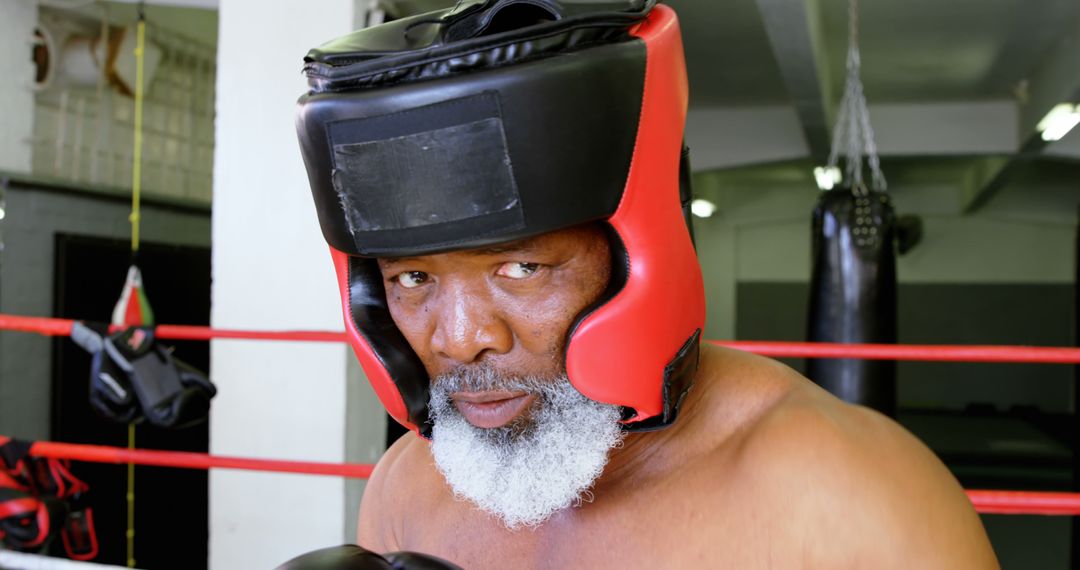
x: 499, y: 120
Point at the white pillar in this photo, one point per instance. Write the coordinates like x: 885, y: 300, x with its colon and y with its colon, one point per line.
x: 272, y: 270
x: 17, y: 21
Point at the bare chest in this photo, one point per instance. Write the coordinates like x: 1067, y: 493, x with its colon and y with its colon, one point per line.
x: 674, y: 525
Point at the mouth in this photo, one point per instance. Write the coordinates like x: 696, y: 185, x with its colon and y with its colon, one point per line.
x: 493, y: 409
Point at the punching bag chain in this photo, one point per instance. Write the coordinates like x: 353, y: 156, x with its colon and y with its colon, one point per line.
x: 852, y: 132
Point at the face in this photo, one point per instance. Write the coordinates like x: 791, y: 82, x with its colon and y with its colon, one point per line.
x: 510, y: 433
x: 506, y: 308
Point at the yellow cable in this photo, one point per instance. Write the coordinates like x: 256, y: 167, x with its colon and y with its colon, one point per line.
x: 136, y: 186
x: 130, y: 534
x: 136, y: 166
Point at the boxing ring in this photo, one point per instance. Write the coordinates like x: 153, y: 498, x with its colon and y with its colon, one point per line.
x: 987, y: 501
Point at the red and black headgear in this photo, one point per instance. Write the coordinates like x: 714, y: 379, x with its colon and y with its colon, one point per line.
x: 499, y: 120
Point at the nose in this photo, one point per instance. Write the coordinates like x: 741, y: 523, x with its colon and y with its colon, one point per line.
x: 468, y: 326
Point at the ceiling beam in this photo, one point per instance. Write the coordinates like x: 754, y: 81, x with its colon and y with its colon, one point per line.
x: 732, y: 137
x: 995, y: 173
x: 984, y: 173
x: 794, y: 28
x: 1055, y: 80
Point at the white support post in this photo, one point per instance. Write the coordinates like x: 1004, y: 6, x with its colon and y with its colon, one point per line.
x: 271, y: 270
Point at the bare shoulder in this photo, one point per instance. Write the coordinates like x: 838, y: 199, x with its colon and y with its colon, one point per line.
x: 846, y: 474
x: 389, y: 491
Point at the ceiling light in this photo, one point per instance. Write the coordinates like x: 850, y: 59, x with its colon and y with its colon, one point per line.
x: 702, y: 208
x: 1059, y: 121
x: 827, y: 176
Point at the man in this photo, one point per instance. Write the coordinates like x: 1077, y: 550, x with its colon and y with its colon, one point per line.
x: 500, y: 186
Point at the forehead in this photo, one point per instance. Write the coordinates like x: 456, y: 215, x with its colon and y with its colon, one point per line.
x: 570, y: 240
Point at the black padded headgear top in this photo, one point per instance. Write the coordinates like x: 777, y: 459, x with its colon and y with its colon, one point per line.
x: 499, y: 120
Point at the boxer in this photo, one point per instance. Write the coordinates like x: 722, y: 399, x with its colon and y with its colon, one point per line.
x: 505, y: 193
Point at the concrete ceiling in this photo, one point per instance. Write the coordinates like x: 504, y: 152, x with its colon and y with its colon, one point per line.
x: 919, y: 50
x: 1018, y: 55
x: 914, y: 50
x: 728, y: 56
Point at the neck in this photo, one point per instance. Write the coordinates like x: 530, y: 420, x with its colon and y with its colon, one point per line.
x: 643, y: 453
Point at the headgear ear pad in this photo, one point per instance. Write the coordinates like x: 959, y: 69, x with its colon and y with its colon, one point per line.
x: 420, y: 138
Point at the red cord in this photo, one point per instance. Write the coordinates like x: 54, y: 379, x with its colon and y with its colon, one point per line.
x: 985, y: 501
x: 924, y: 352
x: 940, y: 353
x: 1025, y: 502
x: 1000, y: 502
x: 191, y: 460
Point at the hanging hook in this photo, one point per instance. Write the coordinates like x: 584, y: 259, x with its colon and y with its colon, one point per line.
x: 852, y: 131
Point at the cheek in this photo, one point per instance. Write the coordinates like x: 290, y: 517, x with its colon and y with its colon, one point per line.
x: 553, y: 311
x: 544, y: 318
x: 410, y: 316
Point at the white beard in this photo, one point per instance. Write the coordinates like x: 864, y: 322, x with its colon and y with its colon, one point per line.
x: 522, y: 473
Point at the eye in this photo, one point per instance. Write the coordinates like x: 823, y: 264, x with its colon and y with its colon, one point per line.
x: 411, y: 279
x: 517, y: 269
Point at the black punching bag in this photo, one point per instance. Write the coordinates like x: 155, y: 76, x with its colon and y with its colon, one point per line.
x: 853, y: 294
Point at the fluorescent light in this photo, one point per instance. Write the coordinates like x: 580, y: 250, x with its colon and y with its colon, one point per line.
x: 2, y: 213
x: 827, y: 177
x: 1059, y: 121
x: 702, y: 208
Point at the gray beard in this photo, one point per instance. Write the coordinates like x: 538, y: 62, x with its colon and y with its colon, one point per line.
x: 526, y: 471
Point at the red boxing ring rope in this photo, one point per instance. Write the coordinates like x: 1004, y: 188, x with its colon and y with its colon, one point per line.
x: 62, y: 327
x: 1025, y: 502
x: 919, y: 352
x: 190, y: 460
x: 989, y: 502
x: 996, y: 502
x: 939, y: 353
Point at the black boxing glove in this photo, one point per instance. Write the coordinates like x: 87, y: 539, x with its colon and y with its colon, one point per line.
x: 133, y: 377
x: 352, y: 557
